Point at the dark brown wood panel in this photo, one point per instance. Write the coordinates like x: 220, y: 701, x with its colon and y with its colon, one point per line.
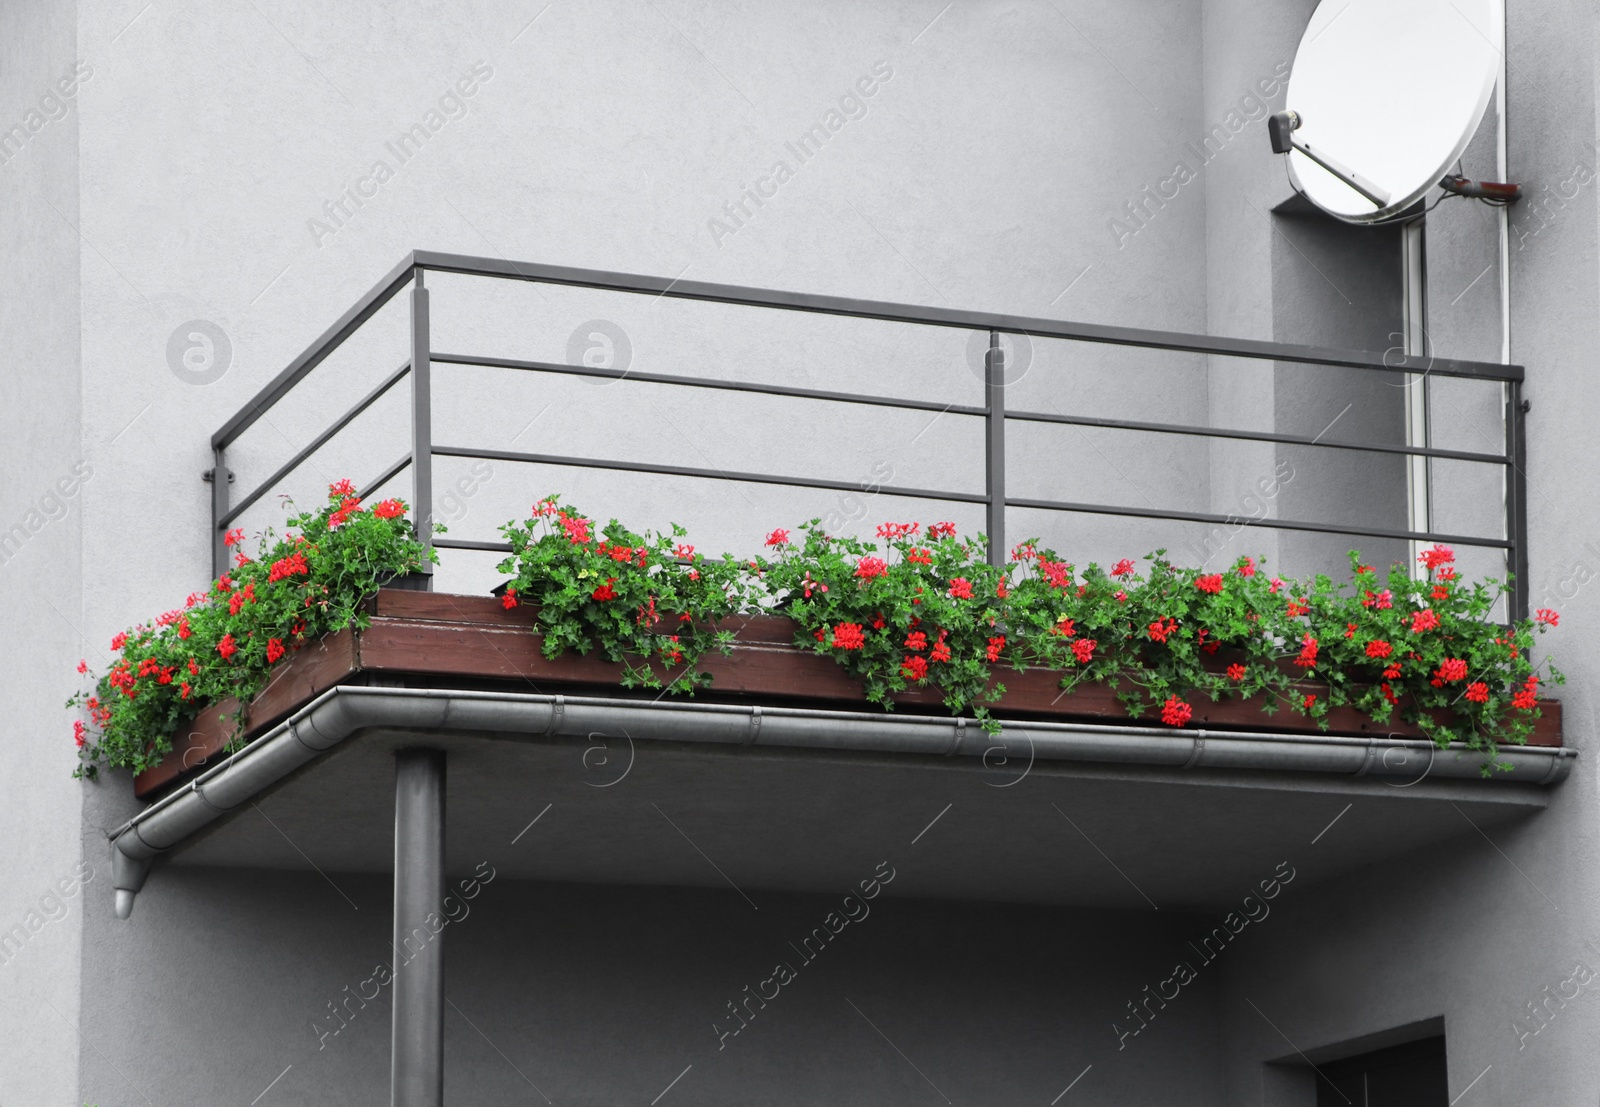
x: 439, y: 639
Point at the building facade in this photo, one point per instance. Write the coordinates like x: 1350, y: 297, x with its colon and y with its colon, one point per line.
x: 199, y: 191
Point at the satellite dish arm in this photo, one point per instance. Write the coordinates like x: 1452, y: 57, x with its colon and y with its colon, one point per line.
x: 1281, y: 128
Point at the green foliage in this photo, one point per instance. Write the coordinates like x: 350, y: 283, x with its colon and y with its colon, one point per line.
x: 230, y: 639
x: 918, y: 609
x: 647, y: 601
x: 915, y: 609
x: 1424, y: 649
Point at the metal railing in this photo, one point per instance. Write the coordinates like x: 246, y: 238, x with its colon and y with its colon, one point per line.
x: 994, y: 413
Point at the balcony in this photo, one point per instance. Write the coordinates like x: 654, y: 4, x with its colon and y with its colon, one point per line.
x: 783, y: 778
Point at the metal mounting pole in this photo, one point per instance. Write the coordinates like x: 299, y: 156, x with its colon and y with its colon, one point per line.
x: 994, y: 441
x: 1414, y: 313
x: 421, y: 422
x: 417, y: 1042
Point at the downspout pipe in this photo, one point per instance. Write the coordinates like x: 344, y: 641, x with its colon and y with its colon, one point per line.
x: 343, y: 711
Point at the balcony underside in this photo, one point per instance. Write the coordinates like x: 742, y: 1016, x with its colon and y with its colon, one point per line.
x: 683, y: 802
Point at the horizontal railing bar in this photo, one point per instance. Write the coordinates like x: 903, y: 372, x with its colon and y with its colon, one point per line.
x: 388, y: 474
x: 1387, y: 361
x: 709, y: 382
x: 364, y: 309
x: 1275, y: 524
x: 468, y: 544
x: 707, y: 474
x: 1255, y: 436
x: 316, y: 444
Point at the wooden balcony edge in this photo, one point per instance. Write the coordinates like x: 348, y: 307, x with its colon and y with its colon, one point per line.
x: 443, y: 639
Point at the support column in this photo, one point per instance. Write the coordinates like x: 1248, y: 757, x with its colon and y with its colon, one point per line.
x: 417, y: 1043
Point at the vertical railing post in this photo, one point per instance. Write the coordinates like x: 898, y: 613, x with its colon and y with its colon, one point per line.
x: 416, y: 1068
x: 219, y: 478
x: 1517, y: 498
x: 994, y: 441
x: 421, y: 422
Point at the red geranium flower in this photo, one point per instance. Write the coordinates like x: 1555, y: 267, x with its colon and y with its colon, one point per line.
x: 941, y: 652
x: 1161, y: 629
x: 916, y: 640
x: 779, y: 537
x: 1247, y: 567
x: 233, y: 537
x: 1453, y: 669
x: 1478, y: 692
x: 1435, y: 556
x: 848, y: 636
x: 575, y: 526
x: 226, y: 647
x: 274, y: 650
x: 1423, y: 620
x: 1122, y: 568
x: 389, y: 509
x: 1083, y: 650
x: 1175, y: 712
x: 869, y: 568
x: 293, y: 565
x: 1308, y: 652
x: 1546, y: 617
x: 961, y: 588
x: 605, y: 591
x: 995, y: 646
x: 1236, y: 672
x: 1379, y: 649
x: 1057, y: 573
x: 1065, y: 628
x: 340, y: 489
x: 509, y: 600
x: 941, y: 530
x: 914, y: 667
x: 918, y: 555
x: 1211, y: 583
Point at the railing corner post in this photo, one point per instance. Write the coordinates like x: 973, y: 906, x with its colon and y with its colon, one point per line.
x: 219, y: 478
x: 422, y: 423
x: 1517, y: 499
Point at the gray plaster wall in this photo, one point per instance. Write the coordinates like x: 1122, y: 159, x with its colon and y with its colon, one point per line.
x: 598, y: 995
x: 984, y: 171
x: 48, y: 470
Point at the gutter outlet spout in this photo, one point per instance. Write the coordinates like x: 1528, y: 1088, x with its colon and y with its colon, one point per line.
x: 127, y: 877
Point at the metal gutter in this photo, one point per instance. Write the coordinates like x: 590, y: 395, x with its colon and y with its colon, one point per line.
x: 344, y: 711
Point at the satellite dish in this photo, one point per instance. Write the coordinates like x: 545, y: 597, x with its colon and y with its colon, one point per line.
x: 1384, y: 97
